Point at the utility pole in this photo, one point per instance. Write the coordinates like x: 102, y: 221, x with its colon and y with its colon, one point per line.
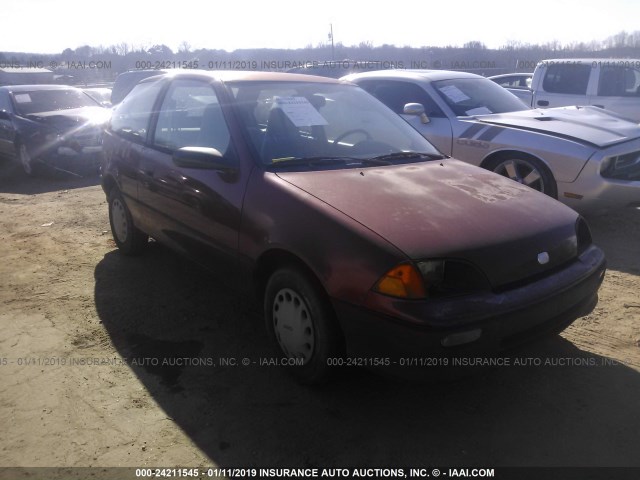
x: 331, y: 37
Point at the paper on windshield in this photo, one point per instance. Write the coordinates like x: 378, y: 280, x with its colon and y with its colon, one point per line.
x: 454, y: 94
x: 22, y: 98
x: 479, y: 111
x: 300, y: 111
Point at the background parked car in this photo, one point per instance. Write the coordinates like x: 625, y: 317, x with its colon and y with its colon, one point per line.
x: 358, y: 236
x: 513, y: 80
x: 609, y: 83
x: 340, y: 68
x: 102, y: 95
x: 585, y: 157
x: 52, y: 126
x: 127, y: 80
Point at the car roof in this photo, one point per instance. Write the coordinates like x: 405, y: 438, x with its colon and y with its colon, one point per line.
x: 419, y: 75
x: 606, y: 61
x: 31, y: 88
x: 251, y: 76
x: 505, y: 75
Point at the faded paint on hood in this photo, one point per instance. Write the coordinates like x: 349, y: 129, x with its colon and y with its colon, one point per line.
x: 590, y: 125
x: 451, y: 209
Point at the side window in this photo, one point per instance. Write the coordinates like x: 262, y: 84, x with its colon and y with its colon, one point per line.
x: 567, y: 78
x: 190, y: 116
x: 396, y: 94
x: 619, y: 82
x: 131, y: 118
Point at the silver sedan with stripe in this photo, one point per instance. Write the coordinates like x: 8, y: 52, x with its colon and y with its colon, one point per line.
x: 586, y: 157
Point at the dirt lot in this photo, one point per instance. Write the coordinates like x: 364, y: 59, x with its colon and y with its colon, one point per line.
x: 69, y: 301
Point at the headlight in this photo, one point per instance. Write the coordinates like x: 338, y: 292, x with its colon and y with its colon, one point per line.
x: 432, y: 279
x: 451, y: 277
x: 622, y: 167
x: 52, y: 137
x: 583, y: 235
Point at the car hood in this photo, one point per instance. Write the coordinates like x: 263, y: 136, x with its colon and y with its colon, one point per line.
x: 451, y: 209
x: 590, y: 125
x: 72, y: 118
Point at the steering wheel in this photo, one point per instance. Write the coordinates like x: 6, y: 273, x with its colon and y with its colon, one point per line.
x: 337, y: 140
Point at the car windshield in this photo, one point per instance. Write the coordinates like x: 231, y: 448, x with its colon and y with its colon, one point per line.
x: 477, y: 96
x: 37, y: 101
x: 319, y: 122
x: 99, y: 94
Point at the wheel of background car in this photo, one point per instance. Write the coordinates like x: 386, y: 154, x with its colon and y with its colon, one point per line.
x: 527, y: 171
x: 129, y: 239
x: 25, y: 159
x: 302, y: 324
x: 339, y: 138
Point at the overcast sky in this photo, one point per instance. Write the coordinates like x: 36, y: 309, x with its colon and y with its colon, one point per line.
x: 50, y: 26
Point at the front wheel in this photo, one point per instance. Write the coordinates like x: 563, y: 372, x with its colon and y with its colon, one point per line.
x: 527, y: 171
x: 25, y: 160
x: 129, y: 239
x: 302, y: 323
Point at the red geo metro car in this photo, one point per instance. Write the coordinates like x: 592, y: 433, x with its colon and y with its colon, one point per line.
x: 361, y: 239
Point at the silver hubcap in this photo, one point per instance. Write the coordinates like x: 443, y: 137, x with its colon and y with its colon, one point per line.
x: 522, y: 172
x: 293, y: 325
x: 25, y: 160
x: 119, y: 220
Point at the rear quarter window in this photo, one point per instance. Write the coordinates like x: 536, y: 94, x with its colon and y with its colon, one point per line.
x: 5, y: 101
x: 567, y: 78
x: 618, y: 81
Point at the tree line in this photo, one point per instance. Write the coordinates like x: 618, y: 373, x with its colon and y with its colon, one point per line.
x: 95, y: 65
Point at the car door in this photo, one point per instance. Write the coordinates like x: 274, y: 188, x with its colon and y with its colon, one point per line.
x: 563, y: 84
x: 619, y: 90
x: 128, y: 132
x: 395, y: 94
x: 198, y: 204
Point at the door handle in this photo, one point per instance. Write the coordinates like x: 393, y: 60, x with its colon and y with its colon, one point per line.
x: 145, y: 177
x: 543, y: 103
x: 599, y: 106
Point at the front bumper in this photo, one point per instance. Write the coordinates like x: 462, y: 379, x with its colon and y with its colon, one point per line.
x: 74, y: 158
x: 598, y: 194
x: 399, y: 329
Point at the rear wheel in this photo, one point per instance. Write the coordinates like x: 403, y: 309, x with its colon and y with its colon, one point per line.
x: 302, y: 324
x: 129, y: 239
x: 527, y: 171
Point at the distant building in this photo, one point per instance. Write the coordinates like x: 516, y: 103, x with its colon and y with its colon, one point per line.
x: 25, y: 76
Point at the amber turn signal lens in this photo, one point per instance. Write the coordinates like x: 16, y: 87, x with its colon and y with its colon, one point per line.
x: 403, y: 281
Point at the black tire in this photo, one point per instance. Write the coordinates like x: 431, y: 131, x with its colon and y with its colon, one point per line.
x: 292, y: 293
x: 527, y: 171
x: 129, y: 239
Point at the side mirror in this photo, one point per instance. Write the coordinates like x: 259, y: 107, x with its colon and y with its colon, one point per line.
x: 4, y: 115
x: 203, y: 158
x: 416, y: 109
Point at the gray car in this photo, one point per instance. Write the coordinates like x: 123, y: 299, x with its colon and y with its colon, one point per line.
x: 586, y: 157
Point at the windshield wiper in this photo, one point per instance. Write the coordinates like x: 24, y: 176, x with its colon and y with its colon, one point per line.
x: 406, y: 155
x: 310, y: 161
